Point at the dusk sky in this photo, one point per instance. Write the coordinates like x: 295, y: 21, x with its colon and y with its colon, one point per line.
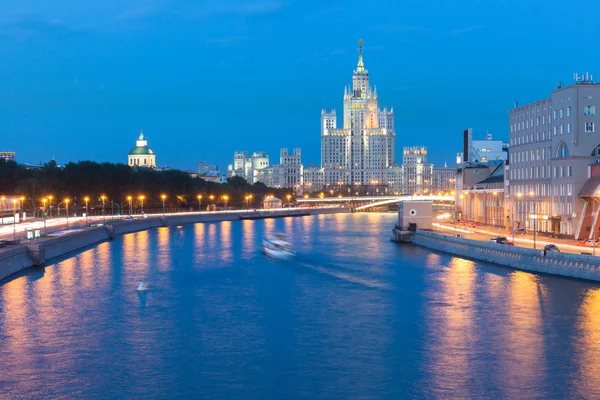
x: 206, y: 78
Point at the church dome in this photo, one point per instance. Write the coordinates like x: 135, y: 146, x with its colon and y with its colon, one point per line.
x: 140, y: 150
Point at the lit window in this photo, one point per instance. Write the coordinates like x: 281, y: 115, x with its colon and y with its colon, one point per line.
x: 589, y: 110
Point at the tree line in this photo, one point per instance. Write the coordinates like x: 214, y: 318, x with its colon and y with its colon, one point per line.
x: 116, y: 182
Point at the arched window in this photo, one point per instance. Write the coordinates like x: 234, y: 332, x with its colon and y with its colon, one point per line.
x: 596, y: 151
x: 562, y: 151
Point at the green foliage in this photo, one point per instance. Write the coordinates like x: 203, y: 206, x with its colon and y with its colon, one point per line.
x: 117, y: 181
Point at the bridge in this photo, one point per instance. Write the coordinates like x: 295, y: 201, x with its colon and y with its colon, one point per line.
x: 363, y: 203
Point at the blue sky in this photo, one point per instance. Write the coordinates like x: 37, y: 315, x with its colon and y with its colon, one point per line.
x: 205, y: 78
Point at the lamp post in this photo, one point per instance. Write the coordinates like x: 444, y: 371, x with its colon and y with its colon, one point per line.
x: 142, y: 204
x: 87, y: 200
x: 163, y: 197
x: 129, y: 199
x: 289, y: 196
x: 44, y: 214
x: 14, y: 218
x: 211, y: 197
x: 103, y: 198
x: 50, y: 206
x: 67, y: 208
x: 535, y: 201
x: 513, y: 218
x: 22, y: 198
x: 199, y: 203
x: 225, y: 197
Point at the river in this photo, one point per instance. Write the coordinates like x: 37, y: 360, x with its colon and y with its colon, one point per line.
x: 355, y: 316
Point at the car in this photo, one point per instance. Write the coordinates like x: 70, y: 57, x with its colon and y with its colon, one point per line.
x: 588, y: 243
x: 520, y: 231
x: 499, y: 240
x: 471, y: 224
x: 552, y: 247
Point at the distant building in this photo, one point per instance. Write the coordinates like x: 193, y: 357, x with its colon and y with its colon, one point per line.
x: 443, y: 179
x: 289, y: 172
x: 482, y: 196
x: 204, y: 169
x: 417, y: 173
x: 313, y: 179
x: 141, y: 155
x: 7, y: 155
x: 485, y: 151
x: 251, y: 167
x: 362, y: 151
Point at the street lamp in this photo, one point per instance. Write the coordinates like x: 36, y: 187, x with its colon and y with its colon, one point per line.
x: 532, y: 195
x: 288, y: 199
x: 199, y: 202
x: 225, y: 197
x: 103, y: 198
x: 142, y: 203
x: 44, y: 214
x: 67, y: 207
x: 163, y: 197
x: 22, y: 198
x: 14, y: 218
x: 50, y: 206
x: 129, y: 199
x: 513, y: 215
x: 211, y: 197
x: 87, y: 200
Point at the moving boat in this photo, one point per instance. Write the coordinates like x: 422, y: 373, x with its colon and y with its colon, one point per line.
x: 142, y: 287
x: 277, y: 245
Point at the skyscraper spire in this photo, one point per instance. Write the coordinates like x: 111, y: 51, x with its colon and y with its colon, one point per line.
x: 361, y: 67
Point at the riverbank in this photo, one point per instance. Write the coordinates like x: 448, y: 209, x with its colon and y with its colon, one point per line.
x: 39, y: 252
x: 579, y: 266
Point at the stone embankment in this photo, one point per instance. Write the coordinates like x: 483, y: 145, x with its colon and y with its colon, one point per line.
x: 38, y: 252
x: 579, y: 266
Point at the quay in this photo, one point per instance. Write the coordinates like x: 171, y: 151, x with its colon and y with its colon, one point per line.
x: 17, y: 257
x: 580, y: 266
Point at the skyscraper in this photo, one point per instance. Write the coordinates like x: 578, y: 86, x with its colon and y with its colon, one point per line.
x: 361, y: 152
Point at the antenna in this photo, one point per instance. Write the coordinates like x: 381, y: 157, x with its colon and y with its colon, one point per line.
x: 516, y: 104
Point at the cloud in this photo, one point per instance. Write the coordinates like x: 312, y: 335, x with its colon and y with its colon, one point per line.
x: 466, y: 30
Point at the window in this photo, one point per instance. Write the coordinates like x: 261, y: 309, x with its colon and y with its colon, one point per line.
x: 589, y: 110
x: 561, y: 130
x: 569, y: 173
x: 554, y: 128
x: 589, y: 127
x: 561, y: 112
x: 554, y: 114
x: 562, y: 151
x: 569, y: 128
x: 543, y: 119
x: 568, y: 111
x: 596, y: 151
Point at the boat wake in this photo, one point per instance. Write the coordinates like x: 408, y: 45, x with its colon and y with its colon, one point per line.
x: 345, y: 276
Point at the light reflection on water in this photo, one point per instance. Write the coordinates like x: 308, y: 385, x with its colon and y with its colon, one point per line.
x: 355, y: 316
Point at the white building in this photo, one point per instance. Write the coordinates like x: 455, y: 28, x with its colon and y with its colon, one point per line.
x: 443, y: 179
x: 485, y: 151
x: 289, y: 172
x: 251, y: 167
x: 362, y: 150
x: 141, y: 155
x: 417, y: 173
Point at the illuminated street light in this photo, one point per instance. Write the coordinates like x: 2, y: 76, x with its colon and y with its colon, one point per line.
x: 163, y: 197
x: 14, y: 219
x: 67, y: 206
x: 50, y: 206
x: 87, y: 200
x: 130, y: 200
x: 142, y: 197
x: 103, y: 198
x: 199, y: 202
x: 44, y: 200
x: 225, y: 197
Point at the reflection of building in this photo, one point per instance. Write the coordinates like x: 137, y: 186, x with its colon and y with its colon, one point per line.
x: 7, y: 155
x: 289, y: 172
x: 141, y: 155
x: 362, y: 151
x: 553, y: 154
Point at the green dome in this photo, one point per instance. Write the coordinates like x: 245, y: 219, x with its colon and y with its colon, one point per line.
x: 141, y: 150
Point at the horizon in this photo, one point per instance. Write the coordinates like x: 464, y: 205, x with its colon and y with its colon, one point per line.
x: 80, y: 83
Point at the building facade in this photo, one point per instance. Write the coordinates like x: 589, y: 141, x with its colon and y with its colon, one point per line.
x: 443, y: 179
x: 553, y: 144
x: 289, y: 173
x: 141, y: 155
x: 362, y: 150
x: 485, y: 151
x: 250, y: 167
x: 7, y: 155
x: 417, y: 173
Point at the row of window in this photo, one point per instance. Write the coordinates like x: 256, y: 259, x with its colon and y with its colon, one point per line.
x: 587, y: 111
x: 561, y: 171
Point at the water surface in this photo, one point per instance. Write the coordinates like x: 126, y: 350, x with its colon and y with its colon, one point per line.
x: 354, y: 317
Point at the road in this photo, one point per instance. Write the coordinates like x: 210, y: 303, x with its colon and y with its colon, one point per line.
x: 484, y: 235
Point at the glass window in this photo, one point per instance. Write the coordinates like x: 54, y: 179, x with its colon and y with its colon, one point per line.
x: 589, y: 110
x: 561, y: 112
x: 554, y: 128
x: 562, y: 151
x: 554, y: 114
x: 589, y: 127
x: 568, y: 111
